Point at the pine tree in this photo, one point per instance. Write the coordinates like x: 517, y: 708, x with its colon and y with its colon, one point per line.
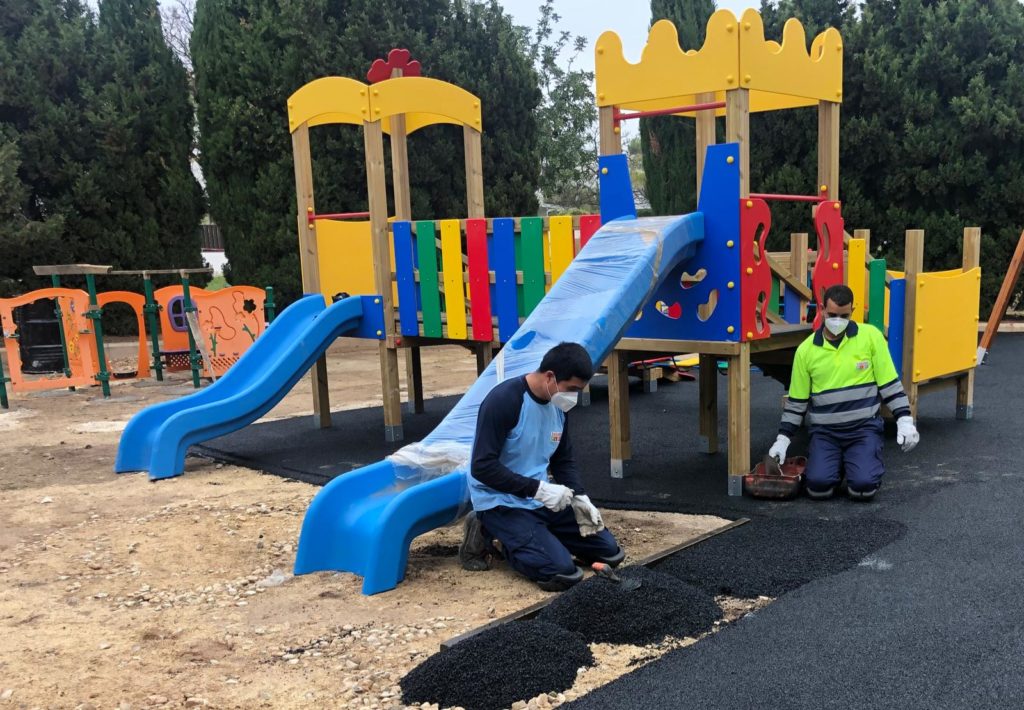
x: 250, y: 55
x: 668, y: 142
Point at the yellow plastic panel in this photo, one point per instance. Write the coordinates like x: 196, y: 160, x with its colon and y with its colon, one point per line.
x: 454, y: 284
x: 346, y: 257
x: 856, y: 276
x: 665, y: 70
x: 946, y: 323
x: 425, y: 101
x: 789, y: 69
x: 563, y: 245
x: 332, y: 99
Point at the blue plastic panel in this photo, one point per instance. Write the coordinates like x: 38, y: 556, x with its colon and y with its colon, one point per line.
x: 678, y: 317
x: 897, y: 320
x: 405, y: 274
x: 503, y: 260
x: 616, y: 188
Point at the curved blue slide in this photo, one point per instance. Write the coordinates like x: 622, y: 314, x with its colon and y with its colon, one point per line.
x: 157, y: 438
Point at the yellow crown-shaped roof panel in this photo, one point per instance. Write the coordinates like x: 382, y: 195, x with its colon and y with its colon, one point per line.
x: 665, y: 70
x: 789, y: 68
x: 735, y: 55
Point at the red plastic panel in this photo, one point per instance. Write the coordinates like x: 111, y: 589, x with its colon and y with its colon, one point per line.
x: 755, y: 274
x: 479, y: 279
x: 589, y: 223
x: 828, y: 269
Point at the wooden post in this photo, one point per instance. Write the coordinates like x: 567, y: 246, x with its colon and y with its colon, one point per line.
x: 913, y: 265
x: 484, y: 355
x: 471, y: 140
x: 705, y: 134
x: 737, y: 130
x: 309, y: 261
x: 798, y: 265
x: 610, y: 135
x: 739, y: 418
x: 414, y: 379
x: 828, y: 149
x: 708, y: 383
x: 965, y: 383
x: 618, y: 412
x: 376, y: 184
x: 1003, y: 299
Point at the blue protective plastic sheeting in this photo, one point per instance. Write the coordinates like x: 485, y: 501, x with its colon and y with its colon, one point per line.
x: 364, y: 521
x: 673, y: 312
x: 616, y: 188
x: 157, y: 438
x: 897, y: 319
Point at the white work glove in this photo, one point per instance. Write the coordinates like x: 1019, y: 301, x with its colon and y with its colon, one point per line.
x: 588, y: 517
x: 554, y: 496
x: 779, y: 448
x: 906, y: 433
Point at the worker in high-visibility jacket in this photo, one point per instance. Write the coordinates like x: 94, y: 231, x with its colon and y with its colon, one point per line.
x: 841, y: 375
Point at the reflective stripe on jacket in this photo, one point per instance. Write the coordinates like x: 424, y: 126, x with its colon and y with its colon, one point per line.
x: 842, y: 384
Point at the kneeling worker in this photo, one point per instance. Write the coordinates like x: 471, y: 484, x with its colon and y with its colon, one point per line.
x: 841, y: 373
x: 521, y: 436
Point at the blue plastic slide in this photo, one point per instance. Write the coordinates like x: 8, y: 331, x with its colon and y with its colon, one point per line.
x: 157, y: 438
x: 364, y: 521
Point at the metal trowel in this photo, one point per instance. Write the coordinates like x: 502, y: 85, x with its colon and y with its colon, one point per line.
x: 602, y: 570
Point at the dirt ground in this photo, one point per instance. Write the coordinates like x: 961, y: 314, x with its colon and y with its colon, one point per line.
x: 120, y: 593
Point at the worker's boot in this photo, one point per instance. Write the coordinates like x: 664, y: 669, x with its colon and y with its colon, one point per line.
x: 821, y: 495
x: 560, y: 582
x: 474, y: 552
x: 864, y: 495
x: 612, y: 560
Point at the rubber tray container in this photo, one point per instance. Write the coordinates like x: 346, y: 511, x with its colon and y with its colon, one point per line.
x: 759, y: 483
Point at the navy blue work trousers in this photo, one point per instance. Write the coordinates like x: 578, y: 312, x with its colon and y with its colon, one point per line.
x: 858, y: 451
x: 541, y: 543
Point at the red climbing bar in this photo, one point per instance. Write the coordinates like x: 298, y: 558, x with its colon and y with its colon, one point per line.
x: 337, y: 215
x: 788, y: 198
x: 668, y: 111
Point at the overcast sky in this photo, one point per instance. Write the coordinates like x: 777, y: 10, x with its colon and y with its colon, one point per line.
x: 592, y: 17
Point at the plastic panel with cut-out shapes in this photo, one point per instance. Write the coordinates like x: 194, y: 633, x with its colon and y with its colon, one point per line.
x: 755, y: 274
x: 700, y: 298
x: 828, y: 267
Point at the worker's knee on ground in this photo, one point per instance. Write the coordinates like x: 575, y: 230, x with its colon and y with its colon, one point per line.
x: 561, y: 582
x: 615, y: 559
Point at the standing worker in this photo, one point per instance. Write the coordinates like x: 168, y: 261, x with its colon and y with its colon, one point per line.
x: 521, y: 438
x: 844, y: 371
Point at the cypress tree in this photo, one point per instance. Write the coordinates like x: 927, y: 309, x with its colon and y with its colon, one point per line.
x: 934, y: 134
x: 668, y: 142
x: 143, y: 124
x: 46, y: 145
x: 250, y: 55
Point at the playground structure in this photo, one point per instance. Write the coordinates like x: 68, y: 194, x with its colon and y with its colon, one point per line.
x: 633, y: 288
x: 226, y: 321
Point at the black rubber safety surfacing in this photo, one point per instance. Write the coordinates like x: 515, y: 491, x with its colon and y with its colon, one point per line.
x: 773, y: 556
x: 603, y: 611
x: 515, y: 661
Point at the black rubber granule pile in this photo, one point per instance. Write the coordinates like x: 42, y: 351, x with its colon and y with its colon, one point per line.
x: 776, y: 555
x: 603, y: 612
x: 514, y: 661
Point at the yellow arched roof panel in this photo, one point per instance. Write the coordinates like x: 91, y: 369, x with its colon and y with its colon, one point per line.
x: 789, y: 69
x: 424, y: 102
x: 331, y: 99
x: 665, y: 70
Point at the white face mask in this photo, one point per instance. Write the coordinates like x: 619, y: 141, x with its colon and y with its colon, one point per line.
x: 564, y: 400
x: 836, y: 325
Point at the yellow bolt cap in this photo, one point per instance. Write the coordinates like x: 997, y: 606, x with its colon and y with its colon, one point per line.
x: 823, y: 188
x: 617, y: 129
x: 376, y: 300
x: 730, y: 160
x: 750, y: 203
x: 746, y: 78
x: 604, y: 171
x: 730, y: 329
x: 379, y: 332
x: 731, y: 284
x: 835, y: 205
x: 750, y: 335
x: 750, y: 270
x: 729, y: 28
x: 746, y: 25
x: 729, y: 243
